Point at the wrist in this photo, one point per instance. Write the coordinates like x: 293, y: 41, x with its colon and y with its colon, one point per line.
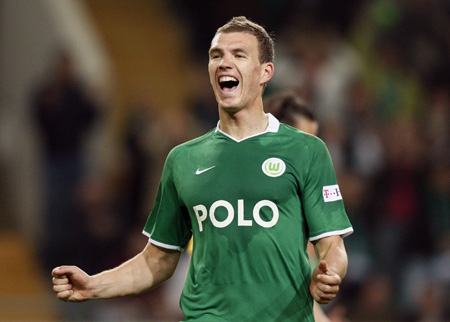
x: 93, y: 289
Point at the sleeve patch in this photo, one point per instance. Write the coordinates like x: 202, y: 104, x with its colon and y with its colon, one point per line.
x: 331, y: 193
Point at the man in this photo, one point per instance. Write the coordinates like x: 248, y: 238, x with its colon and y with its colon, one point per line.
x: 251, y: 192
x: 292, y: 110
x: 64, y: 114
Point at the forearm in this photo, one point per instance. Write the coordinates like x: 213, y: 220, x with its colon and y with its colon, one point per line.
x: 319, y: 314
x: 333, y: 252
x: 122, y: 280
x: 137, y: 275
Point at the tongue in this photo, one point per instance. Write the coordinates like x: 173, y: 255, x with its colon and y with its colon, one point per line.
x: 229, y: 86
x: 229, y: 89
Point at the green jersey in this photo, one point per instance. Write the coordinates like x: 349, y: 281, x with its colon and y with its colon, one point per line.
x: 251, y: 206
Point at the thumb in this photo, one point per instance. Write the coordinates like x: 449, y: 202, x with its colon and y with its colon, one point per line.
x: 323, y: 266
x: 63, y: 271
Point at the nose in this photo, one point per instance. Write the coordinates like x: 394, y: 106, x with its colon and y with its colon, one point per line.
x: 225, y: 63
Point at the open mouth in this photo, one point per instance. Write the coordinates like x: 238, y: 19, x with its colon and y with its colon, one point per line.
x: 228, y: 83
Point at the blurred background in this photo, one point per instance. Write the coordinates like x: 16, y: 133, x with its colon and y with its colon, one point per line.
x: 95, y: 93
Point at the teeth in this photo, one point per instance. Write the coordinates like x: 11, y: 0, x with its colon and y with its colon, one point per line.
x: 227, y: 79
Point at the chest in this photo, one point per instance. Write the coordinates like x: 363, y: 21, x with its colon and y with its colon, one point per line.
x: 249, y: 172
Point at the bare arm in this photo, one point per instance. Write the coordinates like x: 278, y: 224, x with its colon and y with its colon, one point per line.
x: 331, y: 269
x: 319, y: 314
x: 148, y: 269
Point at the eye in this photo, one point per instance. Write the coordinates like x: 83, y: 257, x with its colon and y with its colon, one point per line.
x: 214, y: 56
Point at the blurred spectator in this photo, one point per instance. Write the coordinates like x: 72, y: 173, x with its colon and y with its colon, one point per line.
x: 438, y: 180
x: 64, y: 113
x: 375, y: 302
x: 398, y: 218
x: 291, y: 109
x: 364, y: 149
x: 320, y: 65
x: 148, y: 137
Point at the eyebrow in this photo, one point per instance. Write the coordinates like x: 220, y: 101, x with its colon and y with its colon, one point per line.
x: 239, y: 50
x: 234, y: 50
x: 215, y: 50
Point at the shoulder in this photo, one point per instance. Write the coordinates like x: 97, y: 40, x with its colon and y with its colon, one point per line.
x: 300, y: 138
x: 190, y: 146
x: 299, y: 145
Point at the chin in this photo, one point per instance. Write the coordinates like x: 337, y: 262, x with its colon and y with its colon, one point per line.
x: 230, y: 109
x: 229, y: 106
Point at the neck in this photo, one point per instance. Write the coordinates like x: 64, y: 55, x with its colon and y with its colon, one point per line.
x: 243, y: 124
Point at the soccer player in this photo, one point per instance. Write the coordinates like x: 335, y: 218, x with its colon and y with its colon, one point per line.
x: 252, y: 192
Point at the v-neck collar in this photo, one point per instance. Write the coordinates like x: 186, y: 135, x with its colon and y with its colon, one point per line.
x: 273, y: 127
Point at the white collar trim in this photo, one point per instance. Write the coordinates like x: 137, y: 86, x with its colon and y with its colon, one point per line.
x: 273, y: 127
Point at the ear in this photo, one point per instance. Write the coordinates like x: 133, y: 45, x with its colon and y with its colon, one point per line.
x: 267, y: 72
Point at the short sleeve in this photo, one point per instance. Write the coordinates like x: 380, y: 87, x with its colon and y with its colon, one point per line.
x: 322, y: 201
x: 168, y: 224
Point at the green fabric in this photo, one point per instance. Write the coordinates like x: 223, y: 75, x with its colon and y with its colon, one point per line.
x: 250, y: 228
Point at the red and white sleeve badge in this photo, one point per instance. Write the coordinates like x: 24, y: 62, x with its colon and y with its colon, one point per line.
x: 331, y: 193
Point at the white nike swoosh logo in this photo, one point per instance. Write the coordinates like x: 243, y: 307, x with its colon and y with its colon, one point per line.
x: 204, y: 170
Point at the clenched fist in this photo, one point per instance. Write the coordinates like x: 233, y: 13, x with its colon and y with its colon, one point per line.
x: 71, y: 284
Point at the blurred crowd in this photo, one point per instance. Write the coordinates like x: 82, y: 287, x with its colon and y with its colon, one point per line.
x: 377, y: 75
x: 380, y: 86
